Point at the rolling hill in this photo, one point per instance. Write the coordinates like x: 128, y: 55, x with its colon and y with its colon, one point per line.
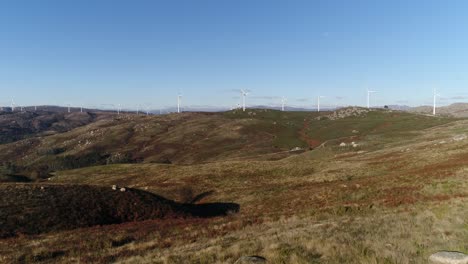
x: 376, y: 186
x: 34, y: 209
x: 191, y: 138
x: 18, y: 125
x: 459, y: 110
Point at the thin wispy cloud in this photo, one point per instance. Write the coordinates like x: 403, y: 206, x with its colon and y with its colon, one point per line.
x: 234, y: 90
x: 266, y: 97
x: 459, y: 97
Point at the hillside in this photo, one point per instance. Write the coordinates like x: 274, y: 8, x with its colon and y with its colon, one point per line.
x: 392, y: 199
x: 191, y: 138
x: 18, y: 125
x: 394, y: 196
x: 459, y: 110
x: 33, y: 209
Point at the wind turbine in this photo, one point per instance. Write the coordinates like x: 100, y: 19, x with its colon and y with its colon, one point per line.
x: 68, y: 108
x: 368, y: 97
x: 12, y: 105
x: 244, y: 94
x: 283, y: 101
x: 119, y: 108
x: 435, y: 94
x: 179, y: 96
x: 318, y: 102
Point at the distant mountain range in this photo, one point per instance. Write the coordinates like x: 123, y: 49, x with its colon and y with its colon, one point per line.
x: 456, y: 110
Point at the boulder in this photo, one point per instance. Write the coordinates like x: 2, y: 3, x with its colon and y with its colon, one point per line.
x: 251, y: 260
x: 459, y: 137
x: 448, y: 257
x: 296, y: 149
x: 343, y: 144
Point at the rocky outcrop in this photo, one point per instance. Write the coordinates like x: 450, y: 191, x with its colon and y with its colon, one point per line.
x: 448, y: 257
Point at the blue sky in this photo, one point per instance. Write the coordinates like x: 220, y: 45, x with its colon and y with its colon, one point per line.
x: 97, y: 52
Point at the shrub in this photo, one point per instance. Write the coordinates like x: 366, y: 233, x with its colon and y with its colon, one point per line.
x: 74, y: 162
x: 51, y: 151
x: 119, y: 158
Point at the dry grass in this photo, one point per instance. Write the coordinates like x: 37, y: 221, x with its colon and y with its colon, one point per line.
x: 396, y: 201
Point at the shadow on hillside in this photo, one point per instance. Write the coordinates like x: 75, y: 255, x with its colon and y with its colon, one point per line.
x: 32, y: 208
x: 14, y: 178
x: 212, y: 209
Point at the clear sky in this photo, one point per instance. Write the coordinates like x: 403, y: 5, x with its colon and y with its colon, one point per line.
x: 97, y: 52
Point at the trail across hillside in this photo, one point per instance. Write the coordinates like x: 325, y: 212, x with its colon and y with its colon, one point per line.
x: 313, y: 143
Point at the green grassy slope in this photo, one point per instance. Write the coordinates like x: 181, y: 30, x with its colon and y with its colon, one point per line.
x: 191, y: 138
x: 408, y: 196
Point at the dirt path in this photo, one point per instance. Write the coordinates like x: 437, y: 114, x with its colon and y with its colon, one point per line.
x: 313, y: 143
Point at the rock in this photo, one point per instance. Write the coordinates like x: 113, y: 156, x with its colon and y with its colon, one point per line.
x: 355, y: 131
x: 296, y: 149
x: 251, y: 260
x: 448, y: 257
x: 114, y: 187
x: 459, y: 137
x: 343, y: 144
x: 123, y: 189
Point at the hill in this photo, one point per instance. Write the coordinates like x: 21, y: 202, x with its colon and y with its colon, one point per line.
x: 459, y: 110
x: 18, y: 125
x: 33, y: 209
x: 386, y: 200
x: 394, y: 196
x: 191, y: 138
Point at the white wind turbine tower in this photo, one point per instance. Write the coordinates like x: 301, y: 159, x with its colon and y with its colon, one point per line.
x: 435, y: 94
x: 368, y: 97
x: 179, y: 96
x: 283, y: 101
x: 318, y: 102
x: 12, y: 105
x: 68, y: 105
x: 119, y: 108
x: 244, y: 94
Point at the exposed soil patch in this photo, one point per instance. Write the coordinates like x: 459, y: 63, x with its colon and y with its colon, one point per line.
x: 313, y: 143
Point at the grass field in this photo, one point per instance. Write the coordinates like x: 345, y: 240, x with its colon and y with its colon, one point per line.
x: 397, y: 197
